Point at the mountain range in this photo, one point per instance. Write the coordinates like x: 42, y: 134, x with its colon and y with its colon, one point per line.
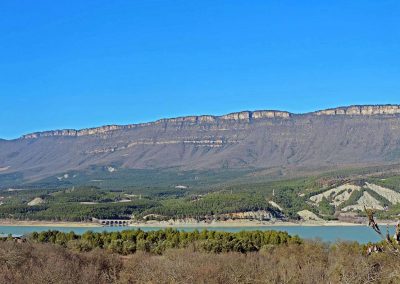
x: 333, y: 138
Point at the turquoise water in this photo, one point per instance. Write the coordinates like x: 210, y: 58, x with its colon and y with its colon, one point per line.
x: 362, y: 234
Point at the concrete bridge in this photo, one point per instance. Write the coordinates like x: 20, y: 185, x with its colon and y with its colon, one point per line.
x: 110, y: 222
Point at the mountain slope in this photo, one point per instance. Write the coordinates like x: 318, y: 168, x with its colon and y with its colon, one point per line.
x: 357, y: 135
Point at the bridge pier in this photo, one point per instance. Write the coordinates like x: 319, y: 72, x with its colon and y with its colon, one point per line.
x: 112, y: 222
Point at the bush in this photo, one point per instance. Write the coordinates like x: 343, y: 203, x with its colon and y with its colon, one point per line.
x: 309, y: 262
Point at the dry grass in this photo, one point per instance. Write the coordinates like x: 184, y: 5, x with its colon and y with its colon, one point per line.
x: 27, y: 263
x: 306, y: 263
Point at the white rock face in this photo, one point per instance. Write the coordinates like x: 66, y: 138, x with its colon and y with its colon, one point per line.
x: 307, y: 215
x: 340, y: 194
x: 111, y: 169
x: 2, y: 169
x: 36, y: 201
x: 391, y: 195
x: 260, y: 214
x: 244, y: 116
x: 270, y: 114
x: 65, y: 176
x: 181, y: 187
x: 274, y: 204
x: 366, y: 200
x: 362, y: 110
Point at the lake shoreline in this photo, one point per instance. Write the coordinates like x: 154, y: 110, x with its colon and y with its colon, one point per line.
x: 181, y: 224
x: 17, y: 223
x: 244, y: 224
x: 327, y: 231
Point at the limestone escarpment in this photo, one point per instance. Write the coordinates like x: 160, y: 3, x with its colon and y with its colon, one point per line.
x: 238, y: 117
x: 362, y: 110
x: 73, y: 132
x: 244, y: 116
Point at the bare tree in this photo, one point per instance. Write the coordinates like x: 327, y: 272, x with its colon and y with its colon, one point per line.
x: 393, y: 243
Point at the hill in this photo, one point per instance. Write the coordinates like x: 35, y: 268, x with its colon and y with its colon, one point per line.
x: 328, y: 139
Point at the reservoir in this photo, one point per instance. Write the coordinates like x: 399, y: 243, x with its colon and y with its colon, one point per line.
x: 362, y: 234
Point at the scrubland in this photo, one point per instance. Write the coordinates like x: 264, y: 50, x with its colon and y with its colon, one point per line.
x: 308, y: 262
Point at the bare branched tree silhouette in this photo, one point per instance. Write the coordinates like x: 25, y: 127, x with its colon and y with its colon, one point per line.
x: 393, y: 243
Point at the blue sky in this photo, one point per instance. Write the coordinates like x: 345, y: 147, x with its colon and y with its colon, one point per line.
x: 76, y: 64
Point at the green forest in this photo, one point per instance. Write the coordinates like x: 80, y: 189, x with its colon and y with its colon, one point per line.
x: 130, y: 241
x: 198, y: 195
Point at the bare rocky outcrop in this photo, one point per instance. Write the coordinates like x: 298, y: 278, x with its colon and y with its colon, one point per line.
x: 73, y: 132
x: 36, y: 201
x: 244, y: 116
x: 241, y: 117
x: 366, y: 200
x: 362, y: 110
x: 307, y: 215
x: 389, y: 194
x: 338, y: 194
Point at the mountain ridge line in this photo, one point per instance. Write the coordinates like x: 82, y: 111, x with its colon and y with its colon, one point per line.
x: 241, y: 116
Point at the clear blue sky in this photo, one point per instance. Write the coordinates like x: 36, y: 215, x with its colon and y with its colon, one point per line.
x: 76, y: 64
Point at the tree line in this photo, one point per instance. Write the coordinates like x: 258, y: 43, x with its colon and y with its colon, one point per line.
x: 129, y: 241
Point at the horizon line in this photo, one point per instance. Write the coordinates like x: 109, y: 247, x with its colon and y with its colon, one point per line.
x: 202, y: 116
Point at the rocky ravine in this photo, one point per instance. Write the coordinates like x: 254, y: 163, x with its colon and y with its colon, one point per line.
x: 259, y: 139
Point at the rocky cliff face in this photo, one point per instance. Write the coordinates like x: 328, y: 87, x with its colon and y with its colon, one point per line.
x: 361, y: 135
x: 362, y: 110
x: 244, y: 117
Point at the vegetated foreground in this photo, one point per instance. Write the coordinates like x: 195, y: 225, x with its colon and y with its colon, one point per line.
x: 305, y: 262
